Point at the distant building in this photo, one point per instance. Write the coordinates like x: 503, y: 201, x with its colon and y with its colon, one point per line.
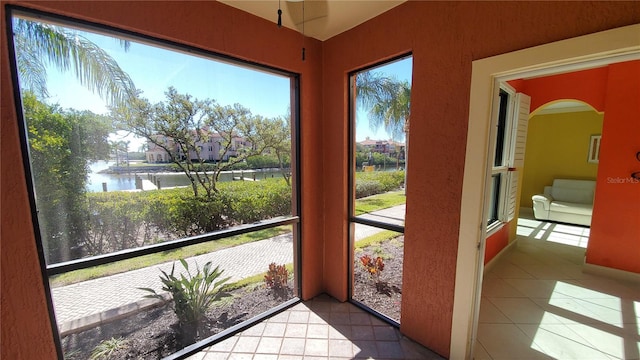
x: 212, y: 149
x: 388, y: 147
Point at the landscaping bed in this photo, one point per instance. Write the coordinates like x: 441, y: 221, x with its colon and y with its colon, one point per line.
x: 385, y: 296
x: 154, y: 334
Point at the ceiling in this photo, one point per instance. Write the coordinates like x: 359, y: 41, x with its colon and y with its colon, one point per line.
x: 322, y: 18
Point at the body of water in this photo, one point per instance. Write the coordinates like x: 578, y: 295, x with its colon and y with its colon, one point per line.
x: 117, y: 182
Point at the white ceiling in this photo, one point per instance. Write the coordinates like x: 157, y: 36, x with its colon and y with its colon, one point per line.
x: 322, y: 18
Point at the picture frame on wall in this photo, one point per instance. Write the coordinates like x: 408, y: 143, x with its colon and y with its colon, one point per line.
x: 594, y: 149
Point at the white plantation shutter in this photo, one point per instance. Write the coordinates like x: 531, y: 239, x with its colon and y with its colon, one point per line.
x: 512, y: 193
x: 519, y: 135
x: 516, y: 153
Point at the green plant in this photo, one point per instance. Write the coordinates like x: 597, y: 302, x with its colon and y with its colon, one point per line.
x: 107, y: 347
x: 373, y: 266
x: 277, y: 276
x: 192, y: 295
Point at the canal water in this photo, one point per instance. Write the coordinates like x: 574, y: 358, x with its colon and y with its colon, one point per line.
x: 117, y: 182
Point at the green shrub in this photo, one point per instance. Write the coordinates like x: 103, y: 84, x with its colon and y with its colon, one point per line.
x: 376, y: 182
x: 366, y: 188
x: 192, y: 296
x: 251, y: 201
x: 121, y: 220
x: 115, y: 222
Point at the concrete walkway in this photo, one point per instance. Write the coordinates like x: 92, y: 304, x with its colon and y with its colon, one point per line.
x: 393, y: 215
x: 89, y: 302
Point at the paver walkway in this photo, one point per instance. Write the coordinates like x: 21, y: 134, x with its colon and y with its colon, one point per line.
x: 97, y: 296
x: 91, y: 297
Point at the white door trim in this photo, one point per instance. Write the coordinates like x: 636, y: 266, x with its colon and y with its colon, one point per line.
x: 599, y: 49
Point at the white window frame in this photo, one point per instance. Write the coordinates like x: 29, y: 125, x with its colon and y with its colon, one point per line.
x: 512, y: 161
x: 503, y: 169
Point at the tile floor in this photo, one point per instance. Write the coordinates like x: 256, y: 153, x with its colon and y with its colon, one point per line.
x: 538, y: 304
x: 321, y: 328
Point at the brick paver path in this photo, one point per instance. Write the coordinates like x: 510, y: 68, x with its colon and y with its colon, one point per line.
x: 95, y: 296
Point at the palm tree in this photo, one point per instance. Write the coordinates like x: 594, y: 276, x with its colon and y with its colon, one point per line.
x: 389, y: 103
x: 38, y: 44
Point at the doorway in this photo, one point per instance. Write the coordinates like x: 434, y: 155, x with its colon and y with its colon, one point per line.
x: 568, y: 55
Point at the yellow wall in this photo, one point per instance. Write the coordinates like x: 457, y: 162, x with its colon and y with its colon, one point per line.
x: 557, y: 147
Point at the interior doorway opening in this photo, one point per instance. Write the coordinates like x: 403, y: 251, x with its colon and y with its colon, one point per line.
x: 564, y: 56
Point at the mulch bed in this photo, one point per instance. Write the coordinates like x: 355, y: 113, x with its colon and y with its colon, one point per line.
x: 386, y: 296
x: 153, y: 334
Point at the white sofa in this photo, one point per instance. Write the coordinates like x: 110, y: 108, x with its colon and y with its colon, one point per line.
x: 567, y: 201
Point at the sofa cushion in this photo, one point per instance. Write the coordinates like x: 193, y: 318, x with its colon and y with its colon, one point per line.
x: 582, y: 196
x: 571, y: 207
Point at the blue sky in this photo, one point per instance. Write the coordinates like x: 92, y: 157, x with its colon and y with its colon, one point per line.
x: 154, y: 69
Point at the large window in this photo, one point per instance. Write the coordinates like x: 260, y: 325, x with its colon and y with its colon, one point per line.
x: 380, y: 102
x: 164, y: 187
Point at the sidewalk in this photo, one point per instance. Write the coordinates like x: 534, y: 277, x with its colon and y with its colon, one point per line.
x: 92, y: 297
x: 91, y: 301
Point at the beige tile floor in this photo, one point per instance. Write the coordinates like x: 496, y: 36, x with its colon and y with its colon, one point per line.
x: 538, y: 304
x: 321, y: 328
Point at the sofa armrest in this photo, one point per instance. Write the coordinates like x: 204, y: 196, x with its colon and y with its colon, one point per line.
x: 544, y: 200
x: 541, y: 206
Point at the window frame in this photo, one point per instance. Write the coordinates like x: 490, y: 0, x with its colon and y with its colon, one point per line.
x: 504, y: 121
x: 58, y: 268
x: 352, y: 219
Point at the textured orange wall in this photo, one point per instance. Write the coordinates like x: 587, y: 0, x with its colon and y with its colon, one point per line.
x: 26, y: 333
x: 25, y: 326
x: 615, y: 234
x: 588, y: 86
x: 497, y: 241
x: 445, y: 37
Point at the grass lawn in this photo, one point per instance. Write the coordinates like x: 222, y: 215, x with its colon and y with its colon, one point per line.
x: 165, y: 256
x: 379, y: 202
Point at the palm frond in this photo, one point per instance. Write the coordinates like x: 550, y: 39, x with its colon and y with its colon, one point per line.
x: 387, y: 101
x: 69, y: 51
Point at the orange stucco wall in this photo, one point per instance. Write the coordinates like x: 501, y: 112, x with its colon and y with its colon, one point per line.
x: 445, y: 37
x: 615, y: 231
x: 497, y: 241
x: 587, y: 86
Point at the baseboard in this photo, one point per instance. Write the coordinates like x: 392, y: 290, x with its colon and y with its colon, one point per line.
x: 510, y: 246
x: 611, y: 273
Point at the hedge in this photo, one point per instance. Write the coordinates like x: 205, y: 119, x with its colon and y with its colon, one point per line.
x: 376, y: 182
x: 120, y: 220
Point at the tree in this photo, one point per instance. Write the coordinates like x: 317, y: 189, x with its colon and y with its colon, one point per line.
x: 38, y: 44
x: 181, y: 126
x: 62, y: 143
x: 388, y: 101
